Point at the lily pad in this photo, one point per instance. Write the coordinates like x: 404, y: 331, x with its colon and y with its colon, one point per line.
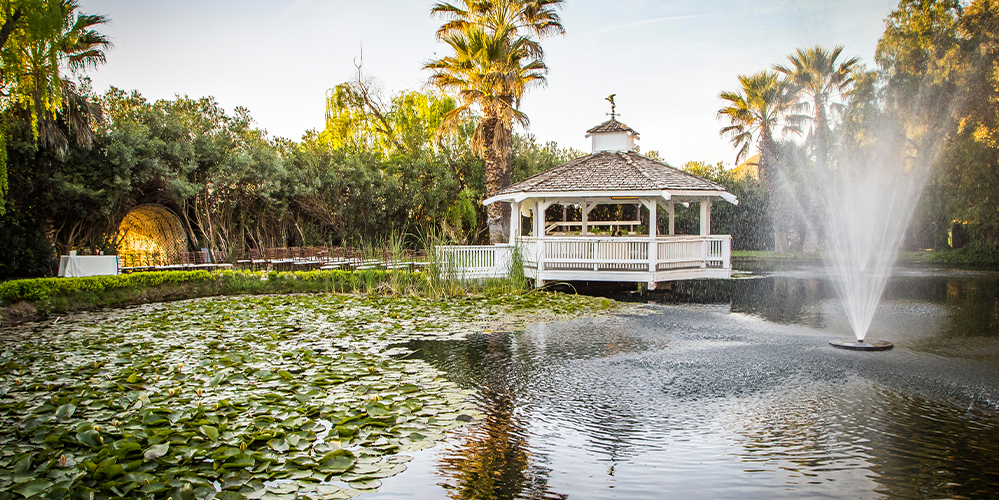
x: 156, y: 451
x: 65, y: 411
x: 32, y: 488
x: 91, y: 438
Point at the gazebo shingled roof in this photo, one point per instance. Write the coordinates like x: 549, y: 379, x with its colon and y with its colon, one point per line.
x: 612, y: 171
x: 611, y: 126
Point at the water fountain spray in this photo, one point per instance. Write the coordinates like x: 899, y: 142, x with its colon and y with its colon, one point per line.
x: 867, y: 199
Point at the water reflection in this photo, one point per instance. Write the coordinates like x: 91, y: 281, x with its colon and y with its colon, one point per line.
x: 695, y: 402
x: 911, y: 447
x: 971, y: 300
x: 491, y: 460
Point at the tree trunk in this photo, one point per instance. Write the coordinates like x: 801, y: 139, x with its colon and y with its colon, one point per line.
x: 498, y: 176
x: 8, y: 26
x: 781, y: 217
x: 814, y: 208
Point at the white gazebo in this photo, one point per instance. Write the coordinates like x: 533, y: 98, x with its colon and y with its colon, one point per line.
x: 597, y: 248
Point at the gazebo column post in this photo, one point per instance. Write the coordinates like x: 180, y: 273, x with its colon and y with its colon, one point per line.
x: 514, y: 222
x: 653, y: 243
x: 538, y: 217
x: 705, y: 229
x: 671, y: 210
x: 586, y: 217
x: 705, y: 217
x: 540, y: 205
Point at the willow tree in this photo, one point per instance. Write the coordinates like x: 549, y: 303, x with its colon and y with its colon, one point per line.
x: 495, y: 58
x: 765, y: 103
x: 821, y: 82
x: 40, y: 41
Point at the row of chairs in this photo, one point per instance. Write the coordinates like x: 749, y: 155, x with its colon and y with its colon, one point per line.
x: 155, y: 261
x: 326, y: 258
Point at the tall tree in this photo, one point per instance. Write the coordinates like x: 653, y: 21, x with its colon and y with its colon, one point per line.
x: 821, y: 82
x: 766, y: 102
x: 41, y: 41
x: 496, y: 57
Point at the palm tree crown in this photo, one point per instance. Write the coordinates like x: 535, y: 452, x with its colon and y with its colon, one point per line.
x: 820, y: 79
x: 756, y: 110
x: 517, y: 17
x: 487, y: 72
x: 495, y: 58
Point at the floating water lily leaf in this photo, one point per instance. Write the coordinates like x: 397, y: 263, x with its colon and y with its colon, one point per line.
x: 240, y: 460
x: 108, y: 471
x: 229, y: 495
x: 216, y: 380
x: 156, y: 451
x: 32, y: 488
x: 91, y: 438
x: 365, y: 484
x: 278, y: 445
x: 376, y: 409
x: 66, y: 410
x: 336, y: 461
x: 210, y: 431
x: 155, y: 487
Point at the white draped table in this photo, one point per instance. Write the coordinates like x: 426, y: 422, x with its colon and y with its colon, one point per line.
x: 71, y: 266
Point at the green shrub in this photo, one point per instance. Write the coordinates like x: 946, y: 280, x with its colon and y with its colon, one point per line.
x: 41, y: 288
x: 25, y: 249
x: 978, y: 254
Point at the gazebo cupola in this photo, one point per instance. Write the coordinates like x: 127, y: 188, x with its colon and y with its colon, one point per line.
x: 612, y: 135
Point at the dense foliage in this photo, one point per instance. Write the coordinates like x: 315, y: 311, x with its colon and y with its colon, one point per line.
x: 372, y: 172
x: 403, y: 163
x: 42, y: 44
x: 934, y: 92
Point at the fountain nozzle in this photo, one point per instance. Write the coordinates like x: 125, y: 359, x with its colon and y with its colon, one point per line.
x: 860, y: 345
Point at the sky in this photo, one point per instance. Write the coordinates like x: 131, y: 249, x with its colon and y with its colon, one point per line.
x: 666, y: 60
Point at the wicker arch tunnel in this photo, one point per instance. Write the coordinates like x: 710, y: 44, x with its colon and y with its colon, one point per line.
x: 150, y: 235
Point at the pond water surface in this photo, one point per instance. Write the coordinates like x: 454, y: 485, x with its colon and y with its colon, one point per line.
x: 729, y: 389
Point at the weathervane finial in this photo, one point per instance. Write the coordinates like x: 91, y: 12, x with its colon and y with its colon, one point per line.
x: 613, y: 113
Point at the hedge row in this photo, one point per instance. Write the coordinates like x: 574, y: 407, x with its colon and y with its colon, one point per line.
x: 39, y: 289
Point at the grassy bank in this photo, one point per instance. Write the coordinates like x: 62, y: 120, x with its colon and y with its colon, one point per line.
x: 25, y: 300
x: 967, y: 258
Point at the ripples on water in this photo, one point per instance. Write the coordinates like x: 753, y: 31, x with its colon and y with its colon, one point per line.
x: 698, y: 402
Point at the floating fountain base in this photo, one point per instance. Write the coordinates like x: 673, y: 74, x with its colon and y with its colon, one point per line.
x: 877, y: 345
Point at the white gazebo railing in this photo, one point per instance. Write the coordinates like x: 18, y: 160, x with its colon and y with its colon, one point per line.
x: 588, y: 258
x: 691, y: 252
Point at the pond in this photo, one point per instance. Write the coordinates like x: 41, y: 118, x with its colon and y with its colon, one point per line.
x: 730, y: 390
x: 713, y: 389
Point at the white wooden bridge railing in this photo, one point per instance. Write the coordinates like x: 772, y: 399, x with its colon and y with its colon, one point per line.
x: 475, y: 261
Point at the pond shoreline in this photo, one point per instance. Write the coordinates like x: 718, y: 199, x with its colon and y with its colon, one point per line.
x: 24, y: 301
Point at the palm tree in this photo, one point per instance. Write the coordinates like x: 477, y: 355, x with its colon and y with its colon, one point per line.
x: 59, y: 39
x: 496, y: 58
x: 535, y: 17
x: 765, y: 103
x: 820, y: 80
x: 74, y: 44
